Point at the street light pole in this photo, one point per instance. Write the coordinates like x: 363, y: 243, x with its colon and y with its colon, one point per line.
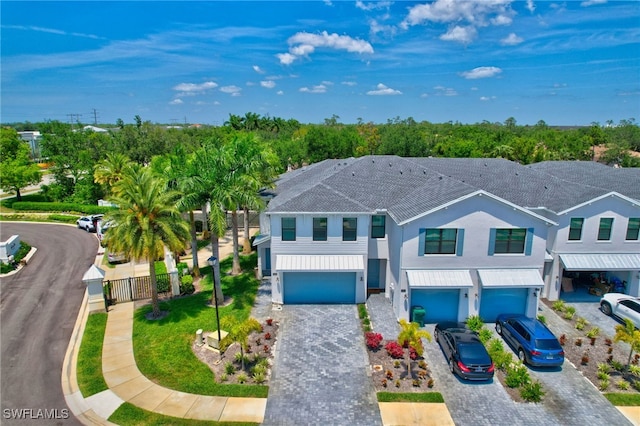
x: 213, y: 261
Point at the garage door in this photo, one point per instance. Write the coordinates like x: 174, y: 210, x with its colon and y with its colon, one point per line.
x: 319, y: 287
x: 497, y: 301
x: 440, y: 305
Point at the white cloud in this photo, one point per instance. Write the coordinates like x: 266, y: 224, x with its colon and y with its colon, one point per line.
x: 304, y: 43
x: 588, y: 3
x: 481, y: 72
x: 321, y: 88
x: 269, y: 84
x: 530, y: 6
x: 381, y: 89
x: 195, y: 88
x: 232, y: 90
x: 258, y: 69
x: 176, y: 101
x: 279, y: 92
x: 487, y: 98
x: 445, y: 91
x: 511, y: 40
x: 349, y: 83
x: 460, y: 34
x: 372, y: 5
x: 502, y: 20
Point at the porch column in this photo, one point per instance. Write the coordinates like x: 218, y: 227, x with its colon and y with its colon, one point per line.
x: 93, y: 280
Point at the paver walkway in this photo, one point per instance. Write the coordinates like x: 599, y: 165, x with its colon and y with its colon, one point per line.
x: 320, y: 375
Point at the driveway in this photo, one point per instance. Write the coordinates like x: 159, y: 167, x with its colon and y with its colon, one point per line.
x: 38, y: 309
x: 320, y: 374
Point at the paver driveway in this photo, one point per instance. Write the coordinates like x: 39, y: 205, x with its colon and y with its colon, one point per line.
x: 320, y: 374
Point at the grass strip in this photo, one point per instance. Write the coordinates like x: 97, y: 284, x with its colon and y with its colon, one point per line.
x: 430, y: 397
x: 130, y: 415
x: 623, y: 399
x: 89, y: 366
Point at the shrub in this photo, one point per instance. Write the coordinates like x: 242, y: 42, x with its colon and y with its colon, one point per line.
x: 394, y: 349
x: 578, y: 342
x: 389, y: 374
x: 362, y: 311
x: 397, y: 383
x: 603, y: 376
x: 186, y: 284
x: 475, y: 323
x: 532, y: 392
x: 516, y: 375
x: 603, y: 385
x: 558, y: 305
x: 618, y: 366
x: 635, y: 370
x: 242, y: 377
x: 422, y: 364
x: 502, y: 359
x: 229, y: 368
x: 269, y: 321
x: 581, y: 323
x: 396, y: 363
x: 485, y: 335
x: 60, y: 207
x: 413, y: 354
x: 430, y: 383
x: 563, y: 339
x: 542, y: 319
x: 569, y: 312
x: 416, y: 383
x: 258, y: 378
x: 267, y: 336
x: 265, y: 348
x: 223, y: 377
x: 384, y: 383
x: 373, y: 340
x: 622, y: 385
x: 594, y: 332
x: 603, y: 368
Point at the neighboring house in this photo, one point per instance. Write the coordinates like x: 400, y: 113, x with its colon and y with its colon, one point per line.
x: 456, y: 236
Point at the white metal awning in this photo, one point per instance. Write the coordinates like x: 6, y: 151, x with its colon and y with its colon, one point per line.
x: 601, y: 262
x: 505, y: 278
x: 439, y: 278
x: 313, y: 262
x: 262, y: 238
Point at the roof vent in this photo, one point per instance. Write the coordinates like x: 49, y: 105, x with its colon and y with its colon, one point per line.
x: 389, y: 164
x: 353, y: 173
x: 440, y: 177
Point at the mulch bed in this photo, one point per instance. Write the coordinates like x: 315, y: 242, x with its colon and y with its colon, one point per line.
x: 260, y: 349
x: 391, y: 375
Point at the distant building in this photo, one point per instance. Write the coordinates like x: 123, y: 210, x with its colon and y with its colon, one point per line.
x: 33, y: 137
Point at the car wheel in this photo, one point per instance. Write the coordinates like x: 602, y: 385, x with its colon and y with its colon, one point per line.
x: 521, y: 356
x: 499, y: 328
x: 606, y: 308
x: 451, y: 365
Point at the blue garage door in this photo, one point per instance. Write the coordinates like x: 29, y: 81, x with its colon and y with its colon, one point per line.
x: 497, y: 301
x: 319, y: 287
x: 439, y: 305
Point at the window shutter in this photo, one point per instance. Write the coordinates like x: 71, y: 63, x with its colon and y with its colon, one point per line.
x: 460, y: 242
x: 421, y: 238
x: 528, y: 243
x: 492, y: 241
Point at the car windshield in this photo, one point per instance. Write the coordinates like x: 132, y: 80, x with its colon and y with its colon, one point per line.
x: 473, y: 353
x: 547, y: 344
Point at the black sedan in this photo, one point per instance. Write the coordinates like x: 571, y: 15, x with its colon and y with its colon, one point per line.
x: 467, y: 356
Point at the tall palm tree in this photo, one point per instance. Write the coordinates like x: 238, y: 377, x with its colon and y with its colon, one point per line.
x: 146, y: 221
x: 110, y: 170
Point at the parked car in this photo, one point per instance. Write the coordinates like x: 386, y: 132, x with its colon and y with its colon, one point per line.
x: 534, y: 343
x: 117, y: 257
x: 86, y: 223
x: 465, y: 353
x: 622, y: 306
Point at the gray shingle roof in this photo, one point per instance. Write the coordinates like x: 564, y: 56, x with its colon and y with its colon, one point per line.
x: 408, y: 187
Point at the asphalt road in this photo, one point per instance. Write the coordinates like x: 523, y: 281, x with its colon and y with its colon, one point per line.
x: 38, y: 309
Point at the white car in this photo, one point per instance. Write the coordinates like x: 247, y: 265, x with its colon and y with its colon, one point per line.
x: 86, y: 223
x: 622, y: 306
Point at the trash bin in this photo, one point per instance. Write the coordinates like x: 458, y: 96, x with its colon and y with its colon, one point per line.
x: 417, y: 315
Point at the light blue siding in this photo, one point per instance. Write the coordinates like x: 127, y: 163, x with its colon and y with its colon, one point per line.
x: 439, y: 304
x: 319, y: 287
x: 373, y: 273
x: 495, y: 301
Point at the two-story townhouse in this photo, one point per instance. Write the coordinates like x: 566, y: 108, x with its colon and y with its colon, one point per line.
x: 598, y: 232
x: 338, y: 228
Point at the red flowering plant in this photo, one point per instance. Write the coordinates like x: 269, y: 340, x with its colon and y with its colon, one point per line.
x: 373, y: 340
x: 394, y: 349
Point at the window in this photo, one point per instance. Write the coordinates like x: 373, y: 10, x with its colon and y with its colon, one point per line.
x: 604, y: 232
x: 288, y: 229
x: 633, y: 229
x: 510, y: 240
x: 440, y: 241
x: 319, y: 229
x: 575, y: 229
x: 631, y: 305
x: 349, y: 228
x: 378, y: 226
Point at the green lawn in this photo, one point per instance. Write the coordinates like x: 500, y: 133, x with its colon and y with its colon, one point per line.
x: 89, y: 367
x: 623, y: 399
x: 162, y: 348
x: 410, y: 397
x: 131, y: 415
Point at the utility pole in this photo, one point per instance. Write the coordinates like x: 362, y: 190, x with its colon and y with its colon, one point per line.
x: 71, y: 120
x: 95, y: 117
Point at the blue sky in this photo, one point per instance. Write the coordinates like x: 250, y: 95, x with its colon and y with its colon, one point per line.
x: 564, y: 62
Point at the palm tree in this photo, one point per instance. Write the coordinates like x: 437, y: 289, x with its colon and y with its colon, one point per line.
x: 629, y: 334
x: 239, y: 331
x: 146, y: 221
x: 411, y: 336
x: 110, y: 170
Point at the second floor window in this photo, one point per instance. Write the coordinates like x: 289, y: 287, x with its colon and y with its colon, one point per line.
x: 604, y: 231
x: 349, y: 229
x: 378, y: 226
x: 288, y: 229
x: 575, y: 229
x: 633, y: 229
x: 440, y: 241
x: 510, y: 240
x: 319, y: 229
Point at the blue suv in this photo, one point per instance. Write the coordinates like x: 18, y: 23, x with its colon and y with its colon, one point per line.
x: 532, y: 340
